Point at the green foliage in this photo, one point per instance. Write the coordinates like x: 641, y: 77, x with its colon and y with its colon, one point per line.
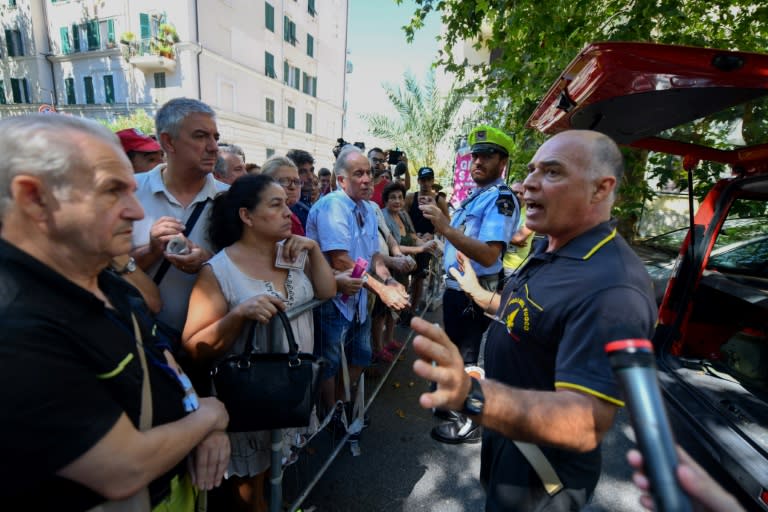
x: 138, y: 119
x: 532, y: 42
x: 425, y: 120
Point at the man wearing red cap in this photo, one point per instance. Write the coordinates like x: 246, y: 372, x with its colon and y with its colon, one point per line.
x: 143, y: 151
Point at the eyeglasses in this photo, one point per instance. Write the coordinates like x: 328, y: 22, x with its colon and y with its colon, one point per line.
x: 289, y: 182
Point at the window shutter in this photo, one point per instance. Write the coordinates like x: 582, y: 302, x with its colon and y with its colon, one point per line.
x: 144, y: 22
x: 111, y: 31
x: 66, y: 49
x: 76, y: 38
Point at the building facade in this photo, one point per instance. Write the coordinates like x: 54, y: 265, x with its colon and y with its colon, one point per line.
x: 274, y: 70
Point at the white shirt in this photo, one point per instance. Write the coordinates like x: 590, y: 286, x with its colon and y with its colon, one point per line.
x: 158, y: 202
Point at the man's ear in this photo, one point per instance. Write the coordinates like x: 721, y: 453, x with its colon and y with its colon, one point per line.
x: 604, y: 185
x: 32, y: 197
x: 166, y: 142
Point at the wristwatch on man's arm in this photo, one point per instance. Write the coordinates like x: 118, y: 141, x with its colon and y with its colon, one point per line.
x: 475, y: 401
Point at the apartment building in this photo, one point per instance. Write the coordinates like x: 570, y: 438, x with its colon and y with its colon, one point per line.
x: 274, y: 70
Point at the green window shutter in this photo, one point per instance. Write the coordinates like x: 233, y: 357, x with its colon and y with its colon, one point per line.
x: 144, y: 22
x: 270, y: 110
x: 309, y: 123
x: 89, y: 96
x: 111, y: 31
x: 269, y: 64
x: 16, y: 90
x: 286, y: 29
x: 76, y: 38
x: 159, y: 80
x: 311, y: 7
x: 66, y: 49
x: 25, y: 90
x: 10, y: 42
x: 305, y: 82
x: 286, y: 71
x: 310, y: 45
x: 314, y: 86
x: 69, y: 85
x: 291, y: 117
x: 92, y: 32
x: 11, y: 3
x: 3, y: 101
x: 296, y: 78
x: 269, y: 16
x: 109, y: 89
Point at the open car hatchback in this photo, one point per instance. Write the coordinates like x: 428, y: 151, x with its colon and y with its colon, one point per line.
x: 712, y: 338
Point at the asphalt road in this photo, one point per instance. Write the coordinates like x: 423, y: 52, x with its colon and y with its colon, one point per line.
x: 400, y: 468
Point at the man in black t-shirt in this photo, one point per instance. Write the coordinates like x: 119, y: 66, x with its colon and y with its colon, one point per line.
x: 91, y: 410
x: 549, y: 395
x: 426, y: 178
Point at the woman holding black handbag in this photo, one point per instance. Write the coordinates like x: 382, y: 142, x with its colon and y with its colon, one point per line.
x: 242, y: 284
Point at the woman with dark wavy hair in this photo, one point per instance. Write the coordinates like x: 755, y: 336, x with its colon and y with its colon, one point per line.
x: 241, y: 284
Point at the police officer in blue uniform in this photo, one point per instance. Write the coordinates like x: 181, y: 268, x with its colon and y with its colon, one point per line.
x: 480, y: 229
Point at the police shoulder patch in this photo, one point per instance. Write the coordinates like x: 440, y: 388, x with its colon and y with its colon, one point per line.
x: 506, y: 203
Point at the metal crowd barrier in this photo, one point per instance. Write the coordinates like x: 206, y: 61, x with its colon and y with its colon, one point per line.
x: 276, y: 470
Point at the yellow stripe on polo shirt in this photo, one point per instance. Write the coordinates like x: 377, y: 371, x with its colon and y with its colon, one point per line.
x: 119, y: 368
x: 600, y: 244
x: 528, y: 298
x: 576, y: 387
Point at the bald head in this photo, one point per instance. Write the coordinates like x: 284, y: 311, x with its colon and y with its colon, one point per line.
x: 570, y: 184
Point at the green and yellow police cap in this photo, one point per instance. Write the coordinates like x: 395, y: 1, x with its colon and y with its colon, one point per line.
x: 487, y: 139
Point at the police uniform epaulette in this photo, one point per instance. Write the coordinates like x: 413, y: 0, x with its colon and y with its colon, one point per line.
x: 507, y: 201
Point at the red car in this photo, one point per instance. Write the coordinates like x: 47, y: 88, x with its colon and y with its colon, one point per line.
x: 712, y: 338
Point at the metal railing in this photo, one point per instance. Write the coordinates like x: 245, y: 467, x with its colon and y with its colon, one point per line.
x: 276, y: 436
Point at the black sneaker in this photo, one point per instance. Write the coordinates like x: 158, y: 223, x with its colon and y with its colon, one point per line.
x: 463, y: 430
x: 445, y: 415
x: 336, y: 426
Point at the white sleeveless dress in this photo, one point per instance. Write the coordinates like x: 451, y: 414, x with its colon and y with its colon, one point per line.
x: 251, y: 450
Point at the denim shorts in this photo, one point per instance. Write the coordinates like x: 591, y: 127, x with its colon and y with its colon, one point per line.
x: 331, y: 330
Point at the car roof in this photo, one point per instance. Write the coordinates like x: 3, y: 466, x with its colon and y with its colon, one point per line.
x: 654, y: 96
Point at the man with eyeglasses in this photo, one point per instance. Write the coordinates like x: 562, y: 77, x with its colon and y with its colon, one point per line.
x: 480, y: 229
x: 305, y: 163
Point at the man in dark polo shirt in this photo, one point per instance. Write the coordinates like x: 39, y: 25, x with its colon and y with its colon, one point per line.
x: 93, y: 408
x: 549, y: 395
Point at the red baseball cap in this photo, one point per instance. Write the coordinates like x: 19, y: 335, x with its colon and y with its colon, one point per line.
x: 133, y: 140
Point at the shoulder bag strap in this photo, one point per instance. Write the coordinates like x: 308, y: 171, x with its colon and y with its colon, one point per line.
x: 140, y: 501
x: 165, y: 265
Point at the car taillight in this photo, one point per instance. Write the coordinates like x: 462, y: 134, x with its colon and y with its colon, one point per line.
x: 764, y: 497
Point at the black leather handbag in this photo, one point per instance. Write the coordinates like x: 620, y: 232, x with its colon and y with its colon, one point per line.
x: 268, y: 391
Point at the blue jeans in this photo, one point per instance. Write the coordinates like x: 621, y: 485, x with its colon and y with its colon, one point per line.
x: 331, y: 330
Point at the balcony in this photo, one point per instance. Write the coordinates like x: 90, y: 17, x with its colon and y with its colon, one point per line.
x: 154, y: 54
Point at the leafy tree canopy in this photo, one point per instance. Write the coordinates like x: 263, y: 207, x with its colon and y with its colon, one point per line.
x: 531, y: 42
x: 425, y: 119
x: 137, y: 119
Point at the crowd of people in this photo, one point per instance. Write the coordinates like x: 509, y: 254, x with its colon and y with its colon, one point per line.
x: 129, y: 261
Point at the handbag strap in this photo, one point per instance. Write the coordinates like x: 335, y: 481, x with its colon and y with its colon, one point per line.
x: 190, y: 224
x: 293, y: 347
